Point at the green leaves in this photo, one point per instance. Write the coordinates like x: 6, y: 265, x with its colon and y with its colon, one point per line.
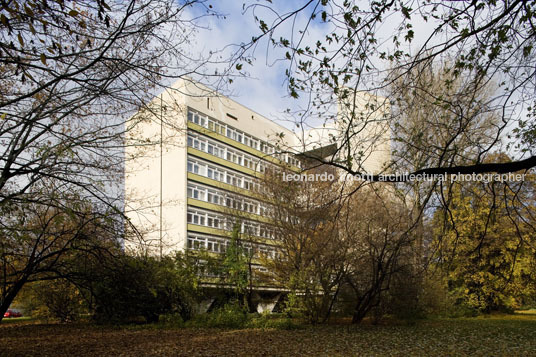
x: 527, y: 50
x: 235, y: 263
x: 406, y: 12
x: 409, y: 36
x: 263, y: 26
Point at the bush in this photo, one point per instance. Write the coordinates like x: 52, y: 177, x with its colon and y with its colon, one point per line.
x: 274, y: 321
x: 461, y: 310
x: 403, y: 298
x: 234, y: 316
x: 141, y: 289
x: 230, y: 315
x: 171, y: 320
x: 437, y: 300
x: 53, y: 299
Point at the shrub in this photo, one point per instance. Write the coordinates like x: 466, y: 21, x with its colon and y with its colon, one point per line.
x: 230, y: 315
x: 274, y: 321
x: 141, y: 289
x: 171, y: 320
x: 235, y: 316
x: 53, y: 299
x: 403, y: 298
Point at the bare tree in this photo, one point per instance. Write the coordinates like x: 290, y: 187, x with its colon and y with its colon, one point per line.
x: 340, y: 238
x: 41, y: 240
x: 72, y: 74
x: 311, y: 262
x: 382, y: 243
x: 368, y: 47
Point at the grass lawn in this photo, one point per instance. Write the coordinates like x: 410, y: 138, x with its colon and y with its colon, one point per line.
x: 492, y: 336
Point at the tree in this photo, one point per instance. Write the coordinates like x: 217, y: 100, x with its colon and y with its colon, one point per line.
x: 41, y: 241
x: 124, y: 288
x: 72, y: 75
x: 58, y: 299
x: 237, y: 270
x: 382, y: 244
x: 484, y: 249
x: 311, y: 260
x: 428, y: 134
x: 441, y: 118
x: 339, y: 239
x: 367, y: 47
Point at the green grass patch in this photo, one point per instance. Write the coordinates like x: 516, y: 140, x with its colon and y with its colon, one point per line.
x: 16, y: 320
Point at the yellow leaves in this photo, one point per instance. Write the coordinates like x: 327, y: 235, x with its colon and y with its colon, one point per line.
x: 43, y: 58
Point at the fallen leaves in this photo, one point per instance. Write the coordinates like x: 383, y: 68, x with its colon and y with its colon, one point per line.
x: 478, y: 336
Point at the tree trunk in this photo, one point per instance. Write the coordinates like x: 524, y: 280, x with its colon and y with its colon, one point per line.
x: 251, y: 306
x: 363, y: 306
x: 10, y: 296
x: 332, y: 302
x: 358, y: 317
x: 360, y: 311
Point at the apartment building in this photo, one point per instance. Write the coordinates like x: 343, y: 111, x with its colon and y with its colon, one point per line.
x: 192, y: 168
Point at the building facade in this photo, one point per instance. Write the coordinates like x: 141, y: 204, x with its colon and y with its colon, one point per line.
x: 192, y: 168
x: 193, y: 159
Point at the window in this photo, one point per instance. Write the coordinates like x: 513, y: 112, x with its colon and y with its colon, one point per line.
x: 212, y: 244
x: 193, y: 167
x: 213, y: 197
x: 226, y: 130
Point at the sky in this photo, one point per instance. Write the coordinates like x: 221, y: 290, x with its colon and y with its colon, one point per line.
x: 264, y: 88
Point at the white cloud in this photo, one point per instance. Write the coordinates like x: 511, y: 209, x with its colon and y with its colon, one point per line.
x: 263, y: 89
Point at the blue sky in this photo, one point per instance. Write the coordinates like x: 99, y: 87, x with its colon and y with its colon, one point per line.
x: 264, y: 89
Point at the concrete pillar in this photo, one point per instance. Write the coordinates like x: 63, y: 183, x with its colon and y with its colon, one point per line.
x: 268, y: 304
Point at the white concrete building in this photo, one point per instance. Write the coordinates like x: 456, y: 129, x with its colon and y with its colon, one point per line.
x: 193, y: 158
